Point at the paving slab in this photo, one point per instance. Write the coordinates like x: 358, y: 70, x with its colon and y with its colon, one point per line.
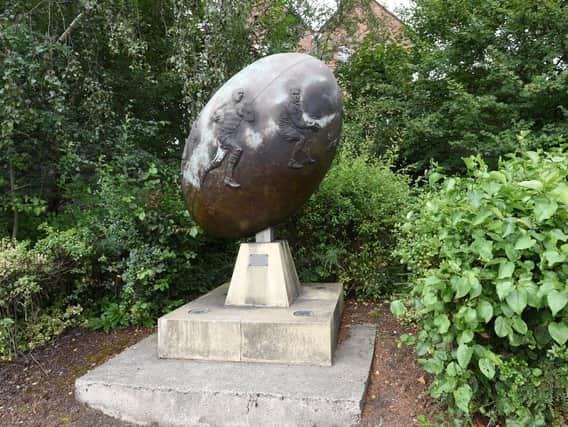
x: 138, y: 386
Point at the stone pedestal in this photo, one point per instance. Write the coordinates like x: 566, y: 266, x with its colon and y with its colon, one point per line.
x: 264, y: 315
x: 207, y: 329
x: 264, y: 275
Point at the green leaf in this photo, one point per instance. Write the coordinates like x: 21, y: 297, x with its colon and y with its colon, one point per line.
x: 470, y: 315
x: 485, y: 310
x: 512, y: 253
x: 509, y: 228
x: 194, y: 231
x: 443, y: 386
x: 519, y: 325
x: 560, y: 193
x: 487, y: 367
x: 397, y: 308
x: 474, y: 197
x: 475, y: 289
x: 434, y: 178
x: 533, y: 300
x: 524, y: 242
x: 432, y: 280
x: 462, y: 287
x: 502, y: 327
x: 558, y: 331
x: 553, y: 257
x: 481, y: 217
x: 452, y: 369
x: 546, y: 287
x: 433, y: 365
x: 465, y: 337
x: 491, y: 187
x: 442, y: 322
x: 498, y: 176
x: 475, y: 286
x: 544, y: 209
x: 504, y: 288
x: 506, y: 269
x: 559, y: 235
x: 462, y: 397
x: 557, y: 301
x: 484, y: 248
x: 430, y: 299
x: 507, y: 312
x: 517, y: 300
x: 464, y: 354
x: 422, y: 348
x: 533, y: 185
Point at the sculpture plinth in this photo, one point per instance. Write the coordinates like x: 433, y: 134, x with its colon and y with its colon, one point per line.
x: 208, y: 329
x: 263, y: 315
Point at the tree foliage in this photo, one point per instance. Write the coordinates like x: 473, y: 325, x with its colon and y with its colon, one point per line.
x: 474, y: 75
x: 72, y: 73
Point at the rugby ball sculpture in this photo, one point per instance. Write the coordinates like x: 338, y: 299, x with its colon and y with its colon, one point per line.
x: 262, y: 145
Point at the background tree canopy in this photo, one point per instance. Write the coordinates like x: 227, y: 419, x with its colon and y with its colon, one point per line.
x: 468, y: 78
x: 91, y: 82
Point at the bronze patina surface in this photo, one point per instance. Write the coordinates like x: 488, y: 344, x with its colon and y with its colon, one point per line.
x: 262, y: 145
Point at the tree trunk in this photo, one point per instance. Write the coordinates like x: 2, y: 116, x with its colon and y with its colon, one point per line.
x: 13, y: 194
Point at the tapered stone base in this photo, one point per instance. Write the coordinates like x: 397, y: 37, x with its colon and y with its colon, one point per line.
x: 264, y: 276
x: 207, y: 329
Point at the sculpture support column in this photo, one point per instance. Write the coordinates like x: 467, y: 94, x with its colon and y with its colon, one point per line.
x: 265, y: 236
x: 264, y: 275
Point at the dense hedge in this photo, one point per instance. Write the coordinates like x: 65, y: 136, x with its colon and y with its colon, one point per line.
x: 489, y: 254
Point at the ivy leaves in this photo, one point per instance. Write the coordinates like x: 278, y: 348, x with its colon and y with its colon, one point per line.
x: 485, y: 310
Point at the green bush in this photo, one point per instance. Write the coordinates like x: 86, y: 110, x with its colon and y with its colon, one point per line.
x: 149, y: 255
x: 133, y: 254
x: 346, y: 230
x: 31, y: 279
x: 489, y: 253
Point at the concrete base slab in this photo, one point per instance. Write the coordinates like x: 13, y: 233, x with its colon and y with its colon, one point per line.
x: 139, y: 387
x: 207, y: 329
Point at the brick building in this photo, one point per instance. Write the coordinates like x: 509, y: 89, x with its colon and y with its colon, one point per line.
x: 347, y: 27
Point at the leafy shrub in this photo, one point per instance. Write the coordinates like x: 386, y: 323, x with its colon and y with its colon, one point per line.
x: 345, y: 231
x: 489, y: 253
x: 149, y: 255
x: 31, y: 279
x: 134, y: 254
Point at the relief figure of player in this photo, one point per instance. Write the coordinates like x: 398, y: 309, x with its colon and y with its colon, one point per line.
x: 228, y: 119
x: 293, y: 128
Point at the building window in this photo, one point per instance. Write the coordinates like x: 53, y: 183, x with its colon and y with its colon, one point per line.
x: 343, y: 53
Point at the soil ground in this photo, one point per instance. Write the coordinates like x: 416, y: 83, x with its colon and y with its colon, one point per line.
x: 37, y: 389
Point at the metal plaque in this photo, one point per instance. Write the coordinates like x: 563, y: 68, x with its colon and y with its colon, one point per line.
x: 258, y: 260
